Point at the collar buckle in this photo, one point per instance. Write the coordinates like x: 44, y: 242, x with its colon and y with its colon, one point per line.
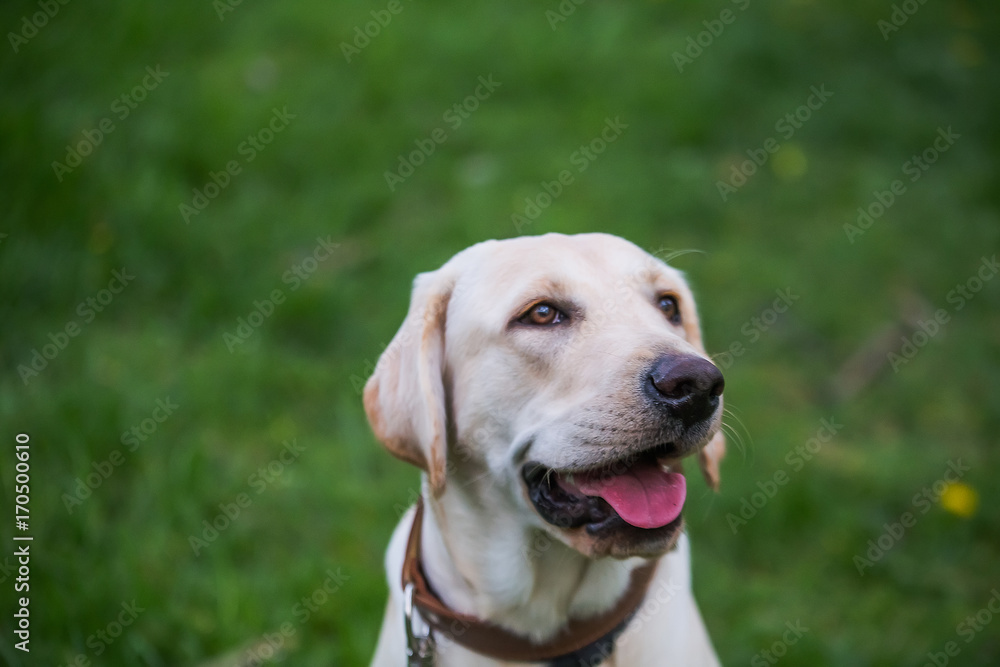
x: 420, y: 643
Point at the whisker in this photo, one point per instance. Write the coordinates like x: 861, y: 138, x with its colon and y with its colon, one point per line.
x: 708, y: 510
x: 737, y: 436
x: 736, y: 417
x: 479, y: 477
x: 674, y: 254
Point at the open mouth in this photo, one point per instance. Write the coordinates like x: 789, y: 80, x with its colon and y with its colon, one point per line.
x: 643, y: 491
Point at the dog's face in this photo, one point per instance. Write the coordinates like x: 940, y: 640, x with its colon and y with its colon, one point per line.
x: 564, y: 373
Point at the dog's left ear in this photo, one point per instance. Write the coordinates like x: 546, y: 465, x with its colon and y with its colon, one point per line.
x: 404, y: 398
x: 711, y: 454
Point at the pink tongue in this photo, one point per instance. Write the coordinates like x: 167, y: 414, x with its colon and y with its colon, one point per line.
x: 644, y: 495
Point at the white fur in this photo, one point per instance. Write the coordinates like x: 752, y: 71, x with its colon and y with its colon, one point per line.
x: 511, y: 395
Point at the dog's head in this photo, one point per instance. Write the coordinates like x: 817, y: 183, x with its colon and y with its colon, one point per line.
x: 561, y: 376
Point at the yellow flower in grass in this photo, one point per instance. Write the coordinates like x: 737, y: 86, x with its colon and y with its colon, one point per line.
x: 960, y: 499
x: 790, y: 162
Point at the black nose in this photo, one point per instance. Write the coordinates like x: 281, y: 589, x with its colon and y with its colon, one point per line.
x: 690, y: 386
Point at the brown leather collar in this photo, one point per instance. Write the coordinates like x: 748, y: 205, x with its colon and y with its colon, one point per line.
x: 491, y: 640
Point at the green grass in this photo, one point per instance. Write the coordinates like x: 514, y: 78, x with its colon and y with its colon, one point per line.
x: 296, y: 375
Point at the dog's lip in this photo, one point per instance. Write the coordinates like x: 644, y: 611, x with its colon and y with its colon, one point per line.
x: 557, y: 499
x: 667, y: 464
x: 666, y: 454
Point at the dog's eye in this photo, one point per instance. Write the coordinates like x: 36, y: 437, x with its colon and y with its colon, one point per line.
x: 668, y: 304
x: 543, y: 314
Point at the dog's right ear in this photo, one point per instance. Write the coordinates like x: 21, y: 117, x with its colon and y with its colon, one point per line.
x: 404, y: 398
x: 709, y: 457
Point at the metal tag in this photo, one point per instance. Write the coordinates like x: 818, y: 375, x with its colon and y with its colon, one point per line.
x: 419, y: 642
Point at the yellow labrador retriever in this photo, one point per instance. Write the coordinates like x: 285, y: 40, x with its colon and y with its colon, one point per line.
x: 549, y: 387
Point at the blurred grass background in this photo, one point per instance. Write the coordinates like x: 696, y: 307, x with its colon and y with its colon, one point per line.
x: 296, y: 376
